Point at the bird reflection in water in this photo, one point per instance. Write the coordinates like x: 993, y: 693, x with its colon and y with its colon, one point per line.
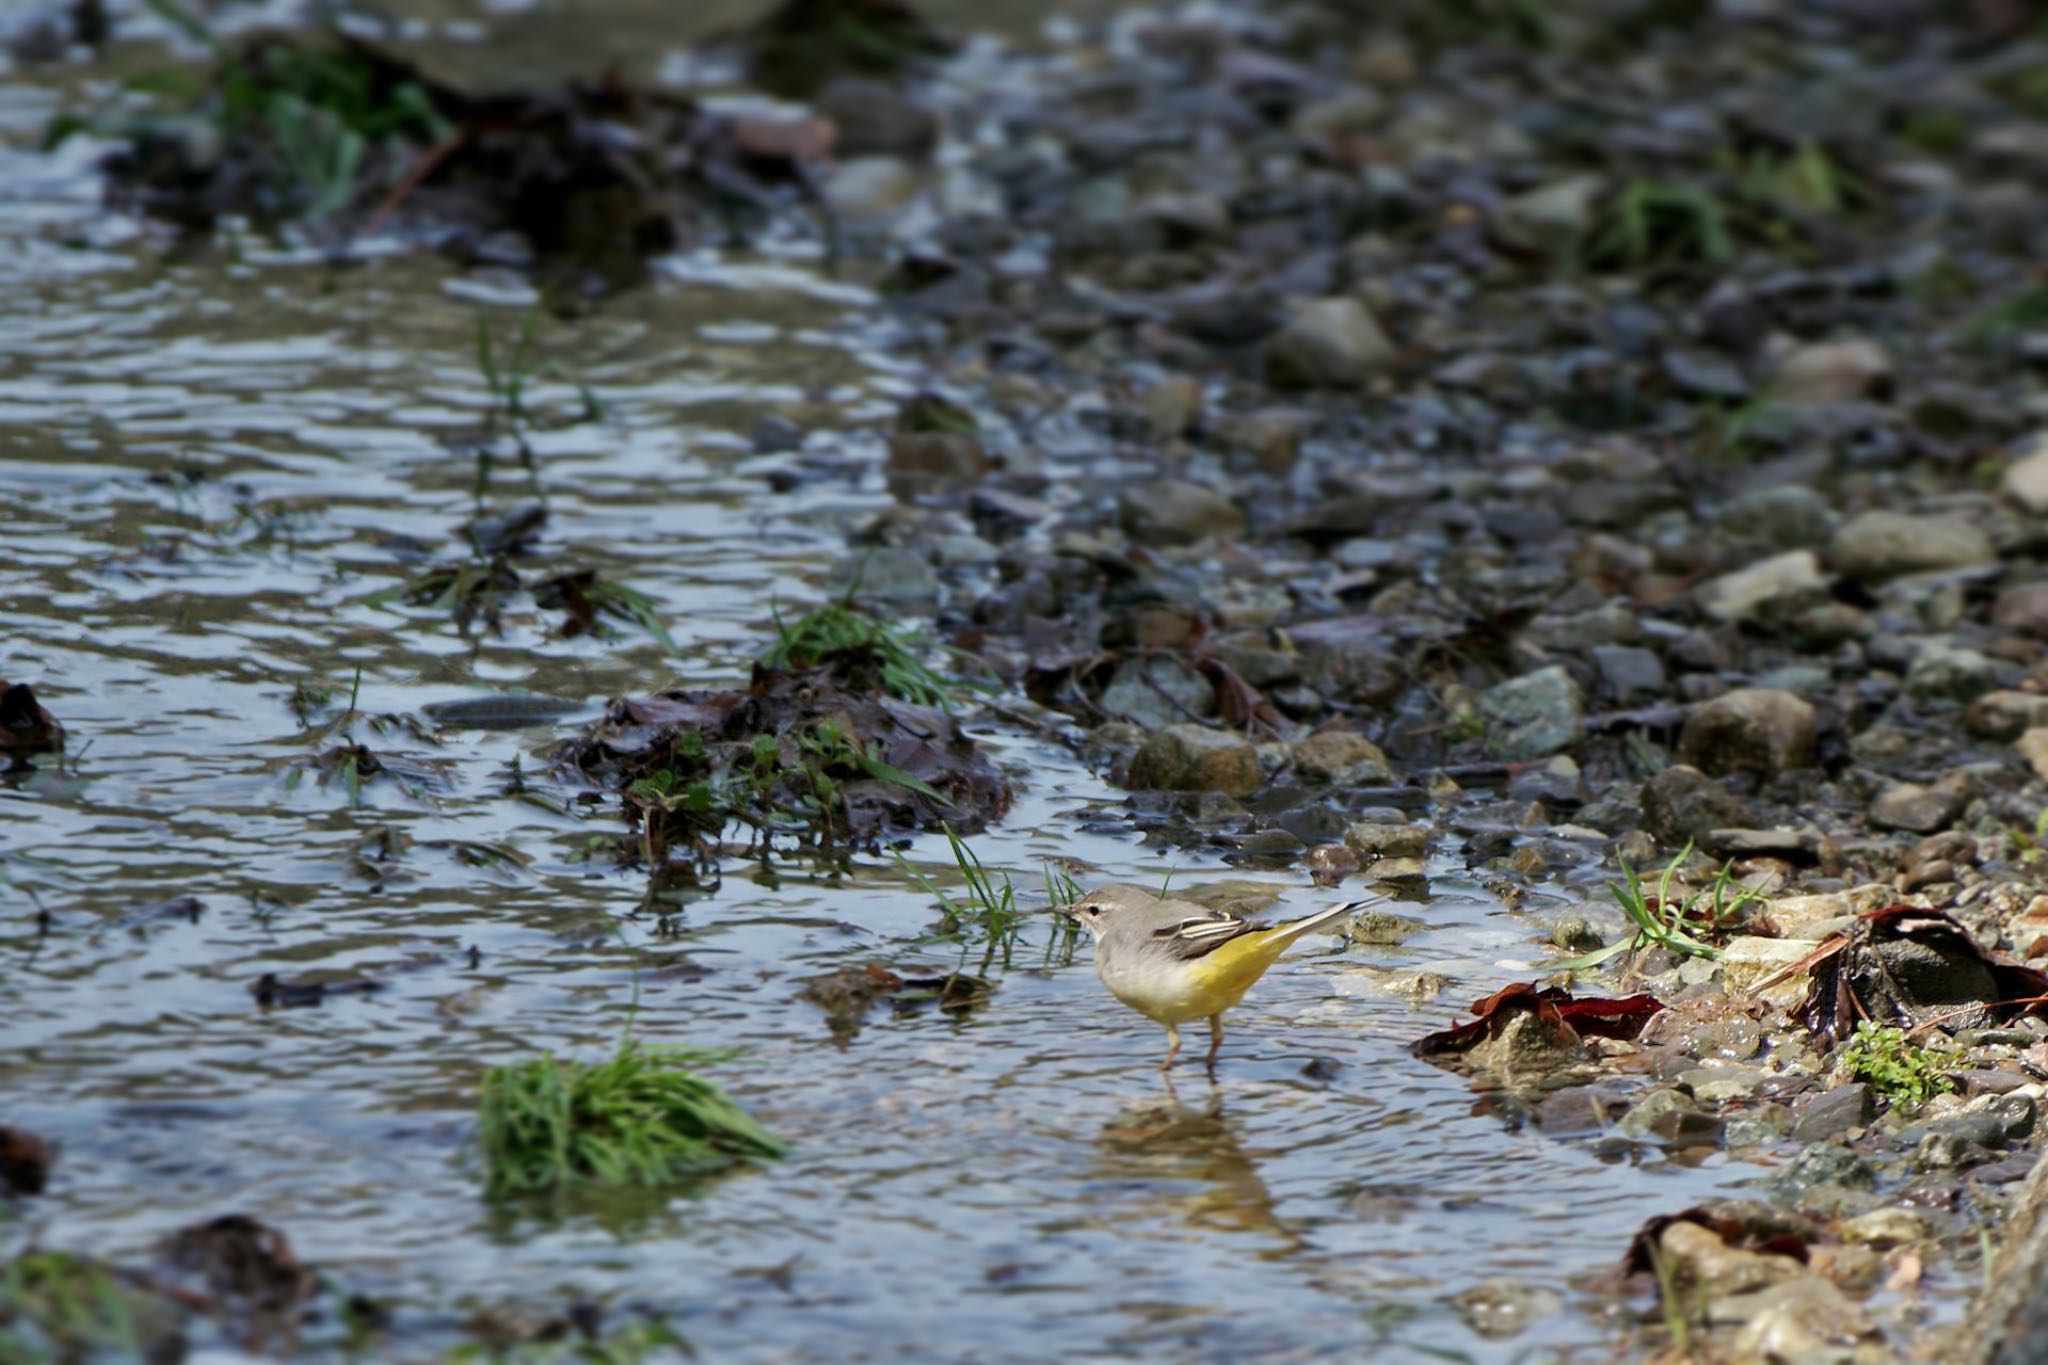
x: 1189, y: 1164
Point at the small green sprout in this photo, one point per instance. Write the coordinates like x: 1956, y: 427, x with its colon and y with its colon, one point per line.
x: 1896, y: 1067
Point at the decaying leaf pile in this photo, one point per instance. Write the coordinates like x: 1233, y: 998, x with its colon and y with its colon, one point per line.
x: 823, y: 756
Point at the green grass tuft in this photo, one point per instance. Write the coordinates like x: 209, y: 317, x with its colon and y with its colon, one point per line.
x: 1673, y: 924
x: 640, y: 1118
x: 837, y: 631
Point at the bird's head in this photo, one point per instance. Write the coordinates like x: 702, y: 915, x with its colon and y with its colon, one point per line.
x: 1093, y: 911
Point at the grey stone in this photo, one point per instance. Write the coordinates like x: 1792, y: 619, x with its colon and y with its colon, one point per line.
x: 1158, y: 690
x: 1832, y: 372
x: 1803, y: 1319
x: 1342, y: 758
x: 1178, y: 512
x: 1920, y: 808
x: 1330, y: 343
x: 1880, y: 545
x: 1671, y: 1116
x: 2026, y: 478
x: 1772, y: 591
x: 1557, y: 782
x: 1505, y: 1306
x: 2006, y: 714
x: 871, y: 188
x: 1532, y: 716
x: 1629, y: 671
x: 1195, y: 758
x: 1942, y: 672
x: 2023, y: 607
x: 1833, y: 1112
x: 1779, y: 518
x: 1551, y: 219
x: 1370, y: 840
x: 1756, y: 730
x: 888, y: 576
x: 1821, y: 1166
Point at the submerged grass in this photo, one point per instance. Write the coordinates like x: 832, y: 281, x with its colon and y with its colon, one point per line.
x: 643, y: 1117
x: 57, y: 1306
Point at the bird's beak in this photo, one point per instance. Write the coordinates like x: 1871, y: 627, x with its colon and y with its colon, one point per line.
x: 1068, y: 911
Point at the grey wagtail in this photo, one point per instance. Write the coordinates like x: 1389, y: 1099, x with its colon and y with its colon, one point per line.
x: 1174, y: 961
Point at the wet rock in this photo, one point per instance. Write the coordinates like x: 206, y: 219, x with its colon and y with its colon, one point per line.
x: 1629, y: 672
x: 1943, y: 672
x: 2026, y: 479
x: 871, y: 190
x: 1177, y: 512
x: 1346, y: 657
x: 1345, y: 113
x: 1754, y: 730
x: 1705, y: 1264
x: 889, y: 577
x: 1670, y: 1116
x: 25, y: 1161
x: 1342, y: 758
x: 1720, y: 1084
x: 1559, y: 782
x: 1805, y: 1318
x: 937, y: 455
x: 1532, y: 716
x: 1682, y: 803
x: 2033, y: 747
x: 1382, y: 927
x: 1196, y: 758
x: 1776, y: 519
x: 2023, y: 608
x: 1157, y: 690
x: 1504, y: 1306
x: 1920, y: 808
x: 1371, y: 840
x: 2006, y: 714
x: 25, y: 726
x: 1772, y: 590
x: 1821, y: 1167
x: 1832, y: 1113
x: 1552, y: 219
x: 1331, y: 343
x: 1880, y: 545
x: 1329, y: 864
x: 1172, y: 407
x: 1888, y: 1227
x: 1833, y: 372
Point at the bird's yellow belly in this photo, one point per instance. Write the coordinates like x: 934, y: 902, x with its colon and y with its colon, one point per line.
x: 1210, y: 989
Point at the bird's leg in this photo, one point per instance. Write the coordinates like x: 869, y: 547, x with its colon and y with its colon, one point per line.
x: 1215, y: 1041
x: 1172, y: 1047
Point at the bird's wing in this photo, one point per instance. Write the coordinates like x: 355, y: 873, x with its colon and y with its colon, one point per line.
x: 1199, y: 935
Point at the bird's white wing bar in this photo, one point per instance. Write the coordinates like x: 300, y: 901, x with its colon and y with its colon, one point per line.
x: 1203, y: 927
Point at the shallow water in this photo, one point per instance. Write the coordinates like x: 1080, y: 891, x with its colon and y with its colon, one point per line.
x: 207, y: 467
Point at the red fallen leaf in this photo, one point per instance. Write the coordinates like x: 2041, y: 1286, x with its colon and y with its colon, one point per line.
x: 25, y: 727
x: 1597, y: 1017
x: 1852, y: 979
x: 1733, y: 1231
x: 24, y: 1161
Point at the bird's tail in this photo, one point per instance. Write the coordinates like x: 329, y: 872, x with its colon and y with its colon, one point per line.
x: 1281, y: 934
